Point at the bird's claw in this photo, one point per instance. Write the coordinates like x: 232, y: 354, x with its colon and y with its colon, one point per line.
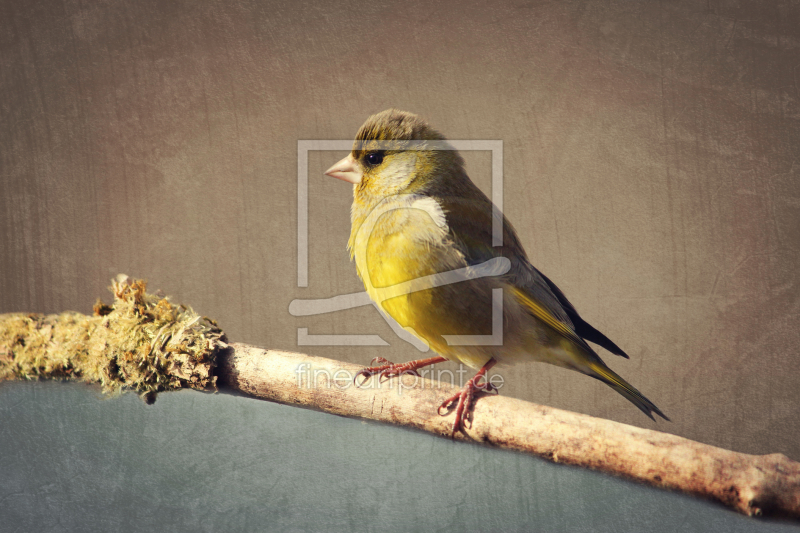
x: 366, y: 373
x: 385, y: 370
x: 396, y: 371
x: 486, y: 387
x: 464, y: 399
x: 446, y: 406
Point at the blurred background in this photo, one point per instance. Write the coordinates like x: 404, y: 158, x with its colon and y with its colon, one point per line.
x: 650, y: 165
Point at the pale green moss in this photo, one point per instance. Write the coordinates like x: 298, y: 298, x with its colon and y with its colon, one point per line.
x: 142, y: 342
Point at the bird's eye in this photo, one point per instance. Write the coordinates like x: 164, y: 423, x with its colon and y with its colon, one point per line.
x: 374, y: 158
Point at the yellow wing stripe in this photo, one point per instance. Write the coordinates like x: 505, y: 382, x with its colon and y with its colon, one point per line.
x: 540, y: 312
x: 624, y: 388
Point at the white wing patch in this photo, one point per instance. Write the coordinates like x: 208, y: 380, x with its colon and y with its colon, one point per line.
x: 419, y: 218
x: 432, y: 207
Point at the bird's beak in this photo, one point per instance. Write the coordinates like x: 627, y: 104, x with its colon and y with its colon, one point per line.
x: 347, y: 170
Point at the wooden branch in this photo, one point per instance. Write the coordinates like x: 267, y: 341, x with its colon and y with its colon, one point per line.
x: 750, y: 484
x: 146, y: 344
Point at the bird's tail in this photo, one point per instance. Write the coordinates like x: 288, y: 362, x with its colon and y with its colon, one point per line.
x: 609, y: 377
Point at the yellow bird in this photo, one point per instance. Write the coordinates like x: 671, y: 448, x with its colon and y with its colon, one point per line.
x: 422, y: 241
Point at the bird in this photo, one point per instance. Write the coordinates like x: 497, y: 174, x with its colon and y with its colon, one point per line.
x: 417, y: 218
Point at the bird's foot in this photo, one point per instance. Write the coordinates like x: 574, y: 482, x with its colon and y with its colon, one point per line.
x: 465, y: 398
x: 386, y: 369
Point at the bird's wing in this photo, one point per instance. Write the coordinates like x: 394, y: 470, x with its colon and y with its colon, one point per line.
x: 582, y: 328
x: 471, y: 232
x: 470, y: 225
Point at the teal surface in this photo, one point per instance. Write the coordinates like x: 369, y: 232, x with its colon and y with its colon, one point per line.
x: 71, y: 460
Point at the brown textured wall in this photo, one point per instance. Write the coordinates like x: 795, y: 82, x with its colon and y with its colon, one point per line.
x: 650, y: 165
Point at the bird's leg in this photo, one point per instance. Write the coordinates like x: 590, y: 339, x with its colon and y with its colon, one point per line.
x: 387, y: 369
x: 466, y: 395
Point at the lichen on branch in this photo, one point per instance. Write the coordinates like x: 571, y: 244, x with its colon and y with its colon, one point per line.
x: 141, y: 342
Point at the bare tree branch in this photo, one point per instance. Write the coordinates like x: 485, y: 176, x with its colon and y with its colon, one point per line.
x: 146, y: 344
x: 751, y: 484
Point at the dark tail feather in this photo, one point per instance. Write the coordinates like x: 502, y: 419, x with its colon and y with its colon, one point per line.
x: 587, y: 332
x: 610, y: 378
x: 583, y: 328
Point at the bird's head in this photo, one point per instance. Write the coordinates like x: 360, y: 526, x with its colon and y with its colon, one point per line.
x: 396, y: 152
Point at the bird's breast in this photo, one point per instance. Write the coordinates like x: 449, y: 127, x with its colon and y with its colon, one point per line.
x: 399, y: 242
